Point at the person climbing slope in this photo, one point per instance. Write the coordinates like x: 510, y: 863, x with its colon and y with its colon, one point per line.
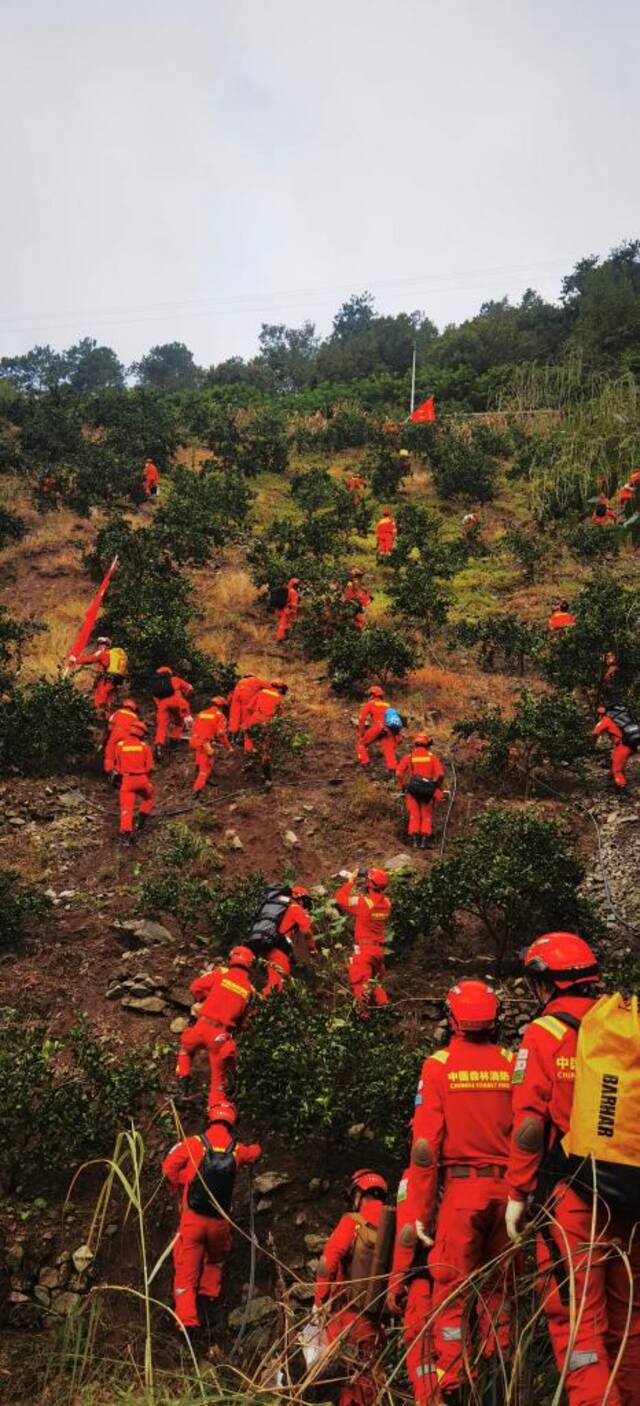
x: 419, y: 774
x: 225, y: 994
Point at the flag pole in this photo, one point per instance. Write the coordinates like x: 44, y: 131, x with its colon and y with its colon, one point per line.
x: 413, y: 380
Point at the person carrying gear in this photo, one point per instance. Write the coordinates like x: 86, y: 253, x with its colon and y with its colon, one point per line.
x: 133, y: 762
x: 265, y: 707
x: 461, y: 1130
x: 386, y: 533
x: 603, y: 515
x: 241, y: 702
x: 111, y: 667
x: 202, y: 1170
x: 626, y: 495
x: 419, y: 774
x: 150, y: 478
x: 374, y: 726
x: 372, y: 911
x: 124, y: 722
x: 411, y: 1277
x: 357, y: 487
x: 561, y: 617
x: 591, y: 1296
x: 225, y: 995
x: 173, y: 710
x: 355, y: 593
x: 341, y: 1286
x: 624, y: 731
x: 209, y: 728
x: 295, y: 922
x: 288, y: 613
x: 470, y: 521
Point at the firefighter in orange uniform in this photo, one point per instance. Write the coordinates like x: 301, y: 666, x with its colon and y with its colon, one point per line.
x: 561, y: 617
x: 202, y: 1169
x: 461, y: 1130
x: 241, y: 702
x: 371, y: 728
x: 150, y: 478
x: 209, y: 728
x: 341, y: 1286
x: 288, y: 615
x: 225, y: 995
x: 265, y: 707
x: 386, y: 533
x: 107, y: 679
x: 420, y: 774
x: 173, y: 711
x: 124, y: 722
x: 357, y: 486
x: 621, y: 750
x: 603, y: 515
x: 133, y: 762
x: 371, y: 911
x: 591, y: 1296
x: 354, y: 592
x: 295, y: 922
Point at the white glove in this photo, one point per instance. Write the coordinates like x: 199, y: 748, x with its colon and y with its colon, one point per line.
x: 513, y: 1219
x: 422, y: 1234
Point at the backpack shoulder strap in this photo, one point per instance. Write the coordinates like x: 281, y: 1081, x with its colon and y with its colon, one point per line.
x: 573, y: 1021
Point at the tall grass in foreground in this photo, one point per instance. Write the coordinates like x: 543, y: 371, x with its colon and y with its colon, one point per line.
x: 92, y: 1364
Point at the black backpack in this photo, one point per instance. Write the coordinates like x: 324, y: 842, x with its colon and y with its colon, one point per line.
x: 278, y: 597
x: 629, y: 728
x: 263, y: 934
x: 214, y: 1178
x: 160, y: 685
x: 422, y: 788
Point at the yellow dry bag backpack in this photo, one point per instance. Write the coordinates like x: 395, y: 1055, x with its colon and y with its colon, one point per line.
x: 605, y: 1114
x: 118, y: 663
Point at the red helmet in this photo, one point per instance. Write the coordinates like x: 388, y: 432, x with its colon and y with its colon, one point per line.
x: 564, y: 957
x: 241, y: 957
x: 472, y: 1005
x: 293, y: 581
x: 423, y: 739
x: 164, y: 669
x: 378, y: 878
x: 130, y: 703
x: 219, y: 701
x: 367, y: 1181
x: 223, y: 1112
x: 299, y: 891
x: 375, y: 691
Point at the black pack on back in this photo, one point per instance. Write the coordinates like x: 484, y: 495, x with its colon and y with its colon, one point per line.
x: 215, y: 1178
x: 422, y: 788
x: 160, y: 685
x: 629, y: 728
x: 278, y: 597
x: 263, y: 933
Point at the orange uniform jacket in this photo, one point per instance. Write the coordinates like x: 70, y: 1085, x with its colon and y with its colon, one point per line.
x: 607, y: 725
x: 338, y: 1248
x: 418, y: 763
x: 182, y: 1162
x: 357, y: 594
x: 242, y: 700
x: 371, y: 915
x: 265, y: 705
x: 372, y: 712
x: 101, y: 658
x: 543, y: 1080
x: 463, y: 1110
x: 559, y: 619
x: 386, y: 530
x: 225, y: 993
x: 210, y: 725
x: 133, y: 757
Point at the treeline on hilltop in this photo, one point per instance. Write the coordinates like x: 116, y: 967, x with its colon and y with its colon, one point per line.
x: 367, y: 357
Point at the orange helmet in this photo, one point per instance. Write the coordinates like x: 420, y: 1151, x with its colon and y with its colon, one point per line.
x: 223, y: 1112
x: 375, y: 691
x: 370, y: 1183
x: 562, y: 956
x: 472, y: 1005
x: 293, y: 581
x: 241, y: 957
x: 423, y: 739
x: 378, y: 878
x: 219, y: 701
x: 130, y: 703
x: 164, y: 669
x: 301, y: 895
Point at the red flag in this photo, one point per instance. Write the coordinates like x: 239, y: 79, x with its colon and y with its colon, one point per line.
x: 91, y: 615
x: 424, y: 414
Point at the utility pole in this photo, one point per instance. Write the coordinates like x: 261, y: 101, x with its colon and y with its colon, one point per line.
x: 413, y: 380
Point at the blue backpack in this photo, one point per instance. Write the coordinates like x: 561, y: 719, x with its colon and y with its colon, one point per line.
x: 392, y: 720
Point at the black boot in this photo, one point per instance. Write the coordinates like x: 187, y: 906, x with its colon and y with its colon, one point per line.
x: 183, y: 1094
x: 208, y: 1311
x: 141, y: 822
x: 126, y: 838
x: 157, y: 752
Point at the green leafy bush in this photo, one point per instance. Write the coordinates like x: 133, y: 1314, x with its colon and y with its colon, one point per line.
x: 12, y: 527
x: 549, y: 729
x: 20, y: 904
x: 504, y: 635
x: 184, y: 882
x: 313, y: 489
x: 264, y: 445
x: 461, y: 468
x: 14, y: 635
x: 201, y: 511
x: 309, y: 1070
x: 515, y: 874
x: 529, y: 549
x: 416, y: 593
x: 377, y: 652
x: 45, y: 727
x: 386, y: 469
x: 593, y: 544
x: 61, y: 1101
x: 606, y: 614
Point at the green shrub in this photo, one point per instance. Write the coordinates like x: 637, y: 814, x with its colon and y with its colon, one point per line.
x: 20, y: 904
x: 61, y: 1101
x: 514, y: 873
x: 549, y: 729
x: 504, y: 635
x: 201, y: 511
x: 14, y: 635
x: 606, y: 619
x: 179, y: 884
x: 221, y: 433
x: 264, y: 446
x: 313, y: 489
x: 529, y: 549
x: 461, y: 468
x: 417, y: 594
x: 377, y: 652
x: 45, y: 727
x: 386, y: 470
x: 307, y: 1069
x: 12, y: 527
x: 593, y: 544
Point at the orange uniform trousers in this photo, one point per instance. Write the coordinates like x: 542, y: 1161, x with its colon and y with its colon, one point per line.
x: 170, y: 715
x: 221, y: 1048
x: 134, y: 785
x: 419, y: 1352
x: 199, y: 1253
x: 620, y: 754
x: 366, y: 974
x: 360, y: 1333
x: 602, y: 1299
x: 278, y: 971
x: 420, y: 816
x: 377, y: 732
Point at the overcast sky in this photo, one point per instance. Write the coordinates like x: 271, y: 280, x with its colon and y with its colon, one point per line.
x: 185, y: 171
